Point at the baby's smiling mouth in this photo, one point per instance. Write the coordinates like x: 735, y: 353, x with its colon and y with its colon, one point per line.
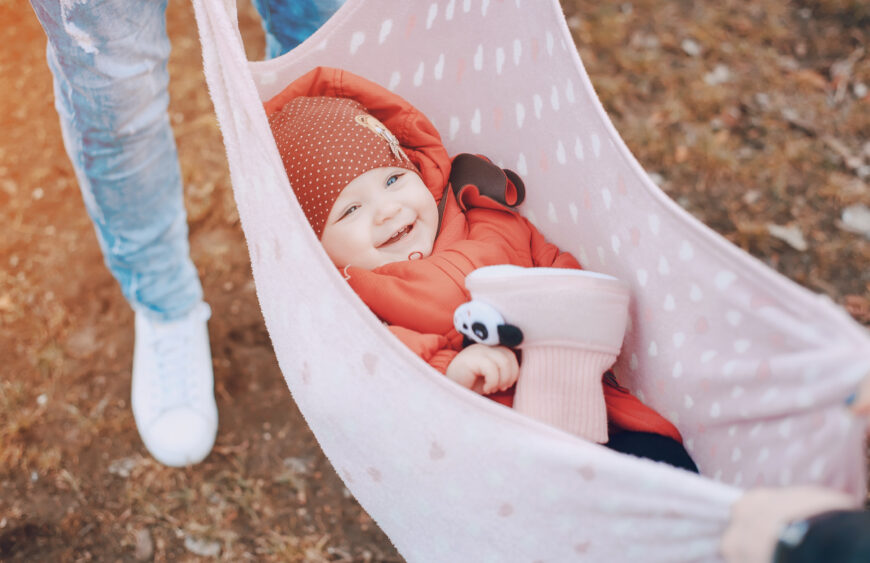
x: 399, y: 235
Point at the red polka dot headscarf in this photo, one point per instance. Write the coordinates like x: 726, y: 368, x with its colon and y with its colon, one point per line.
x: 327, y: 142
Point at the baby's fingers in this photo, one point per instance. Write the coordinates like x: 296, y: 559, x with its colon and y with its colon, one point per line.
x: 508, y: 368
x: 490, y: 378
x: 503, y: 372
x: 505, y: 361
x: 490, y: 370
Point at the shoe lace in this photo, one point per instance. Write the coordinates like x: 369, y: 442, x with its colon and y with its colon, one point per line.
x: 175, y: 378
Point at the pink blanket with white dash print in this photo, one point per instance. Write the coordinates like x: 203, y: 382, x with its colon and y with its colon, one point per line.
x: 752, y: 368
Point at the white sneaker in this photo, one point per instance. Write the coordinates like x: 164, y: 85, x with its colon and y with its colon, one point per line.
x: 173, y: 387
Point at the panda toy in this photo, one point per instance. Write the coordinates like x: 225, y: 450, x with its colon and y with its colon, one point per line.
x: 480, y: 323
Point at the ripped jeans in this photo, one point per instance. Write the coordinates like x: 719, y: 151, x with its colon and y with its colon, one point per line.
x: 108, y: 58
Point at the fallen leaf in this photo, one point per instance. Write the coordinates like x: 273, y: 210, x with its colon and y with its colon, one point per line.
x: 123, y: 467
x: 811, y: 78
x: 691, y: 47
x: 681, y: 154
x: 144, y: 545
x: 83, y: 343
x: 850, y: 159
x: 751, y: 197
x: 719, y: 75
x: 798, y: 122
x: 856, y: 219
x: 842, y: 70
x: 790, y: 234
x: 202, y: 547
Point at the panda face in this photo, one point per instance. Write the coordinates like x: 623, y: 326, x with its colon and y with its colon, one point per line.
x: 479, y: 330
x: 479, y: 322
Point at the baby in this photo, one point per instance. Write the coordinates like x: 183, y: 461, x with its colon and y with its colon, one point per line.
x: 406, y: 224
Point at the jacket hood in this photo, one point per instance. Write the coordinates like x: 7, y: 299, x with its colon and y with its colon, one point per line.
x: 416, y: 134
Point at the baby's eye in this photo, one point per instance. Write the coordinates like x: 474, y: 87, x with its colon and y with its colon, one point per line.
x: 348, y: 211
x: 393, y: 179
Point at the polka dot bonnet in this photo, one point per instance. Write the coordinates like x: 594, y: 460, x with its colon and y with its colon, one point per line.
x: 325, y: 143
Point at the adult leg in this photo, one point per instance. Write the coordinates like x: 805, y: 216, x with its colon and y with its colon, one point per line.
x: 289, y: 22
x: 109, y: 58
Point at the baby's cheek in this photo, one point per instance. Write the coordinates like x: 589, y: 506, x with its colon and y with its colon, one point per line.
x: 335, y: 249
x: 429, y: 241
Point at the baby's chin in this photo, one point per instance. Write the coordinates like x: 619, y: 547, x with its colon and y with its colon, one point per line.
x: 388, y: 259
x: 414, y: 255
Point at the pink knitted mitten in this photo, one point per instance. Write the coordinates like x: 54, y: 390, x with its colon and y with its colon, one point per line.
x: 573, y: 323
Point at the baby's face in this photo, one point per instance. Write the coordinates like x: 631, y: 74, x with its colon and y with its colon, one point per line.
x: 384, y: 215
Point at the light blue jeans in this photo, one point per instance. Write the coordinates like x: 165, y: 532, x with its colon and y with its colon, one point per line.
x: 108, y: 58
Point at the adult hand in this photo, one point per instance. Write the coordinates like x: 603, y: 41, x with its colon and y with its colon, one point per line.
x: 496, y: 365
x: 760, y: 515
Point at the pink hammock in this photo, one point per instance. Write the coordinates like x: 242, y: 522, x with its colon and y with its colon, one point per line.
x: 752, y: 368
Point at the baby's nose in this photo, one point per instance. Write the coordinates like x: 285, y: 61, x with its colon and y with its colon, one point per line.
x: 387, y: 211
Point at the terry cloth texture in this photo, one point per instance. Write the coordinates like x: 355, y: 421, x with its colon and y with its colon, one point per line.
x: 752, y: 368
x: 573, y: 324
x: 416, y: 298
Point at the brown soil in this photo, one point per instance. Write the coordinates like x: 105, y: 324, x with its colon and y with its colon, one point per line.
x: 782, y: 140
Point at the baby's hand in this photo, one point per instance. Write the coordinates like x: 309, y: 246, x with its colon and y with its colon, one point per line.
x: 497, y: 366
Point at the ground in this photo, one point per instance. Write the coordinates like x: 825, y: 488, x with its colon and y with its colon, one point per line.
x: 755, y: 117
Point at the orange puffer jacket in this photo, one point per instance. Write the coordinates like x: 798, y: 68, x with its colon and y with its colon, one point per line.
x: 417, y: 298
